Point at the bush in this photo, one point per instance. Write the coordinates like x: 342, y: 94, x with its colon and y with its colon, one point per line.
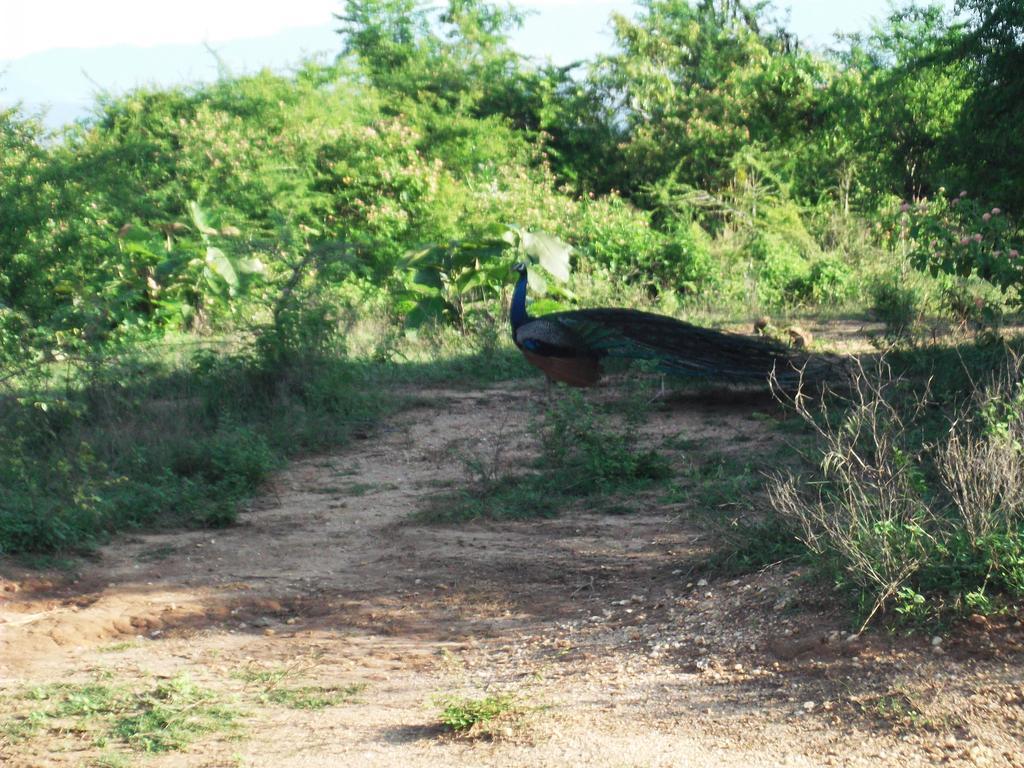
x: 896, y: 304
x: 927, y: 532
x: 781, y: 271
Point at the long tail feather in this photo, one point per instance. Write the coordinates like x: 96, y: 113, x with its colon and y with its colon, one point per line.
x: 678, y: 347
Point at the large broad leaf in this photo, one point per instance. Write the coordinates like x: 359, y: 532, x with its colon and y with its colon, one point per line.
x: 478, y: 278
x: 250, y: 266
x: 421, y: 289
x: 199, y: 218
x: 221, y: 266
x: 477, y: 253
x: 537, y: 282
x: 550, y: 252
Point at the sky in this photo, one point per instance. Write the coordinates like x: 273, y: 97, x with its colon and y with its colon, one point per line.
x: 57, y: 54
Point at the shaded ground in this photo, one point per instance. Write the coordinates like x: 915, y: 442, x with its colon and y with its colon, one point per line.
x: 620, y: 652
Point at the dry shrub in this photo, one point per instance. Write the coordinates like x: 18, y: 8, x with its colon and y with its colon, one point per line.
x: 866, y: 507
x: 981, y: 465
x: 871, y: 512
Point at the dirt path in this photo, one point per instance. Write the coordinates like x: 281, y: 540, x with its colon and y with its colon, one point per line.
x: 618, y: 653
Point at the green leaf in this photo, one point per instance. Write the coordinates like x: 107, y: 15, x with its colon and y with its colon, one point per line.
x: 221, y: 266
x: 550, y: 252
x: 475, y: 279
x: 431, y: 256
x: 199, y: 218
x: 250, y: 266
x: 537, y: 282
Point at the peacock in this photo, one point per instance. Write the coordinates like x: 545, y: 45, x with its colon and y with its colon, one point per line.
x: 570, y: 346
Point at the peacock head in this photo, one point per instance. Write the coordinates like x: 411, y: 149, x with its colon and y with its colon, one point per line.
x: 520, y: 267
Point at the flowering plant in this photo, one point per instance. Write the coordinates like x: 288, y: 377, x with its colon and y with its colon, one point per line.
x: 960, y: 236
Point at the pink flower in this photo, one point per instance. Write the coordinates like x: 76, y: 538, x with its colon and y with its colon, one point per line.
x: 964, y: 193
x: 996, y: 211
x: 986, y: 217
x: 1013, y: 253
x: 965, y: 240
x: 905, y: 207
x: 977, y: 238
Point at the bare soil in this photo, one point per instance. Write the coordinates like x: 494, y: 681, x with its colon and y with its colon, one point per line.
x: 618, y: 650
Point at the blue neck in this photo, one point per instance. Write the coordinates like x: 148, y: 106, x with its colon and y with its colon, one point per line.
x: 517, y: 312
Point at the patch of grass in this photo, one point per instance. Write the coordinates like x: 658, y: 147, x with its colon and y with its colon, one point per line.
x: 126, y: 645
x: 166, y: 717
x: 750, y: 545
x: 898, y: 709
x: 465, y: 715
x: 726, y: 494
x: 312, y: 696
x: 720, y: 482
x: 509, y: 498
x: 581, y: 455
x: 132, y: 442
x: 271, y: 689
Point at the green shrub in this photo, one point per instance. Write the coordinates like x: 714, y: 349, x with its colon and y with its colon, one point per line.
x: 780, y: 269
x: 464, y: 714
x: 897, y: 304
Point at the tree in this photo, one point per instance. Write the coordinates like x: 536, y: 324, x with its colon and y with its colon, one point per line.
x: 694, y: 83
x: 990, y: 128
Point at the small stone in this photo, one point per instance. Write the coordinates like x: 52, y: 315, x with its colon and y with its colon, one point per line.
x: 808, y: 706
x: 936, y: 640
x: 702, y: 582
x: 783, y: 602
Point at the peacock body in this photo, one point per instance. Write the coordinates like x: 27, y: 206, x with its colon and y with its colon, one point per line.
x: 570, y: 346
